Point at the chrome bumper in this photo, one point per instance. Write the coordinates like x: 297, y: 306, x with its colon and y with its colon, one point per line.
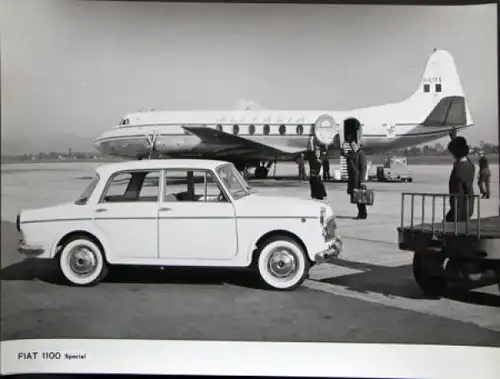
x: 30, y: 251
x: 334, y: 249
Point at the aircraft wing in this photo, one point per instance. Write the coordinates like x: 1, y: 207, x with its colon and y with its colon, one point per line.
x: 212, y: 136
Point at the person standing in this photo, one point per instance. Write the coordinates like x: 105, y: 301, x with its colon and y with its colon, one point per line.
x: 356, y: 173
x: 326, y: 167
x: 484, y: 176
x: 318, y: 191
x: 461, y: 182
x: 302, y: 167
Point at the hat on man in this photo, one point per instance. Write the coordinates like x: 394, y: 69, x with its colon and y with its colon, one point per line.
x: 458, y: 147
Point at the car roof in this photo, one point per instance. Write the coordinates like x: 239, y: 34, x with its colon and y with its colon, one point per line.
x: 148, y: 164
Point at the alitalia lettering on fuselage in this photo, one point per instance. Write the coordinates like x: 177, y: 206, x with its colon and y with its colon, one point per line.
x: 262, y: 120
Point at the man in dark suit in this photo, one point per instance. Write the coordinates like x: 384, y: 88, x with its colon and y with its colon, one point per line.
x: 356, y: 173
x: 318, y: 190
x: 461, y: 183
x: 484, y: 176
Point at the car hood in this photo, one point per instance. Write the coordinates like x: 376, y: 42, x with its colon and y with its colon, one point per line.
x: 256, y: 204
x: 56, y: 212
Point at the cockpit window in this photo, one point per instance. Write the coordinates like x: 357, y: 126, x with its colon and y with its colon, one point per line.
x: 124, y: 121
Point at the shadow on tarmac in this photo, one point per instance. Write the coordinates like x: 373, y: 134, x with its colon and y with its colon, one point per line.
x: 48, y: 272
x: 398, y: 281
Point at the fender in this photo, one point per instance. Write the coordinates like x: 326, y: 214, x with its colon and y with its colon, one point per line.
x: 87, y: 227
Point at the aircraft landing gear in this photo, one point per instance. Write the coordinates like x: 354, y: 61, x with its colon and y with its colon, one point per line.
x: 261, y: 169
x: 261, y: 172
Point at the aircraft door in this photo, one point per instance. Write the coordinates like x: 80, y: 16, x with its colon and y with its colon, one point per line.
x: 352, y: 130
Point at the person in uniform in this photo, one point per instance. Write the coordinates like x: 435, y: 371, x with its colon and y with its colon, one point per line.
x: 302, y: 166
x: 484, y: 176
x: 461, y: 182
x: 326, y: 166
x: 356, y: 172
x: 318, y: 191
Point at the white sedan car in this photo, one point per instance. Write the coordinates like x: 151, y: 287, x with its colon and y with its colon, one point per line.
x: 180, y: 213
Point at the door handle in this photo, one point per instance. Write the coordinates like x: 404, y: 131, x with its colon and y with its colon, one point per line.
x: 100, y: 210
x: 164, y: 209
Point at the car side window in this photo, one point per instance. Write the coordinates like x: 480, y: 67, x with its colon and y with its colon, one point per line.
x: 150, y: 188
x: 192, y: 185
x: 206, y: 188
x: 135, y: 186
x: 117, y: 187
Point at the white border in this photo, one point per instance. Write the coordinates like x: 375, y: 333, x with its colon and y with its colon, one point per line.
x: 252, y: 358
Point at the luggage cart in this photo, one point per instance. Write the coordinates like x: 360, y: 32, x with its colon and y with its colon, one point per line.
x: 467, y: 251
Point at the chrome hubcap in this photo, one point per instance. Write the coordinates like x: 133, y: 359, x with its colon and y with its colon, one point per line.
x: 82, y: 261
x: 282, y: 263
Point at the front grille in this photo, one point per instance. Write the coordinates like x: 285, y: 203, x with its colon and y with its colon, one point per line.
x: 330, y: 229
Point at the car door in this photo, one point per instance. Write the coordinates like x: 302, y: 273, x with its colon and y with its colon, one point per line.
x: 127, y: 213
x: 196, y: 218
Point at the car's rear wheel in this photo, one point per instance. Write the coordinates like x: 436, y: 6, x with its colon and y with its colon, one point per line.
x: 82, y: 262
x: 282, y: 264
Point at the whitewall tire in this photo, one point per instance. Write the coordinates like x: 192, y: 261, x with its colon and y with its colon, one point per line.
x: 82, y: 262
x: 282, y: 264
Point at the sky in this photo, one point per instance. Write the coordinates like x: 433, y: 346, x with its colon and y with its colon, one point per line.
x: 71, y: 69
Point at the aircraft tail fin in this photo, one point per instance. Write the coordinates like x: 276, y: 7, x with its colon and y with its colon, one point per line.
x: 441, y: 93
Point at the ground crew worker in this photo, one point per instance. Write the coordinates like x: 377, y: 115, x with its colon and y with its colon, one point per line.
x: 302, y: 167
x: 484, y: 176
x: 326, y: 167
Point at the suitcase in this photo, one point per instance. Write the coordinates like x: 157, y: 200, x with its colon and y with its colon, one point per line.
x: 363, y: 196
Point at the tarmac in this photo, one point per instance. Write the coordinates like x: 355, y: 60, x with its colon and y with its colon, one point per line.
x: 368, y: 296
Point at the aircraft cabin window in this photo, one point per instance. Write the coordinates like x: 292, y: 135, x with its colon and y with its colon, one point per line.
x: 236, y: 129
x: 282, y: 129
x: 427, y: 88
x: 438, y: 87
x: 300, y: 130
x: 266, y: 130
x: 251, y: 129
x: 219, y: 128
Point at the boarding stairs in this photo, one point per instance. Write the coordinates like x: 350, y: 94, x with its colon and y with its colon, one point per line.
x: 343, y: 162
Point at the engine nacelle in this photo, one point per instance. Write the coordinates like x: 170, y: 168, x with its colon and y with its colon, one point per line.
x: 325, y: 129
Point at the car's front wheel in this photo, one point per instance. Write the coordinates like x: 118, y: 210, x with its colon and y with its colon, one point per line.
x: 282, y: 263
x: 82, y: 262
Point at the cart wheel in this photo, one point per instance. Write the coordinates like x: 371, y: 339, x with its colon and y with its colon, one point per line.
x: 426, y: 269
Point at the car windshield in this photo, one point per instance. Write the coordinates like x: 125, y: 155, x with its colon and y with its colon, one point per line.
x: 234, y: 182
x: 84, y: 197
